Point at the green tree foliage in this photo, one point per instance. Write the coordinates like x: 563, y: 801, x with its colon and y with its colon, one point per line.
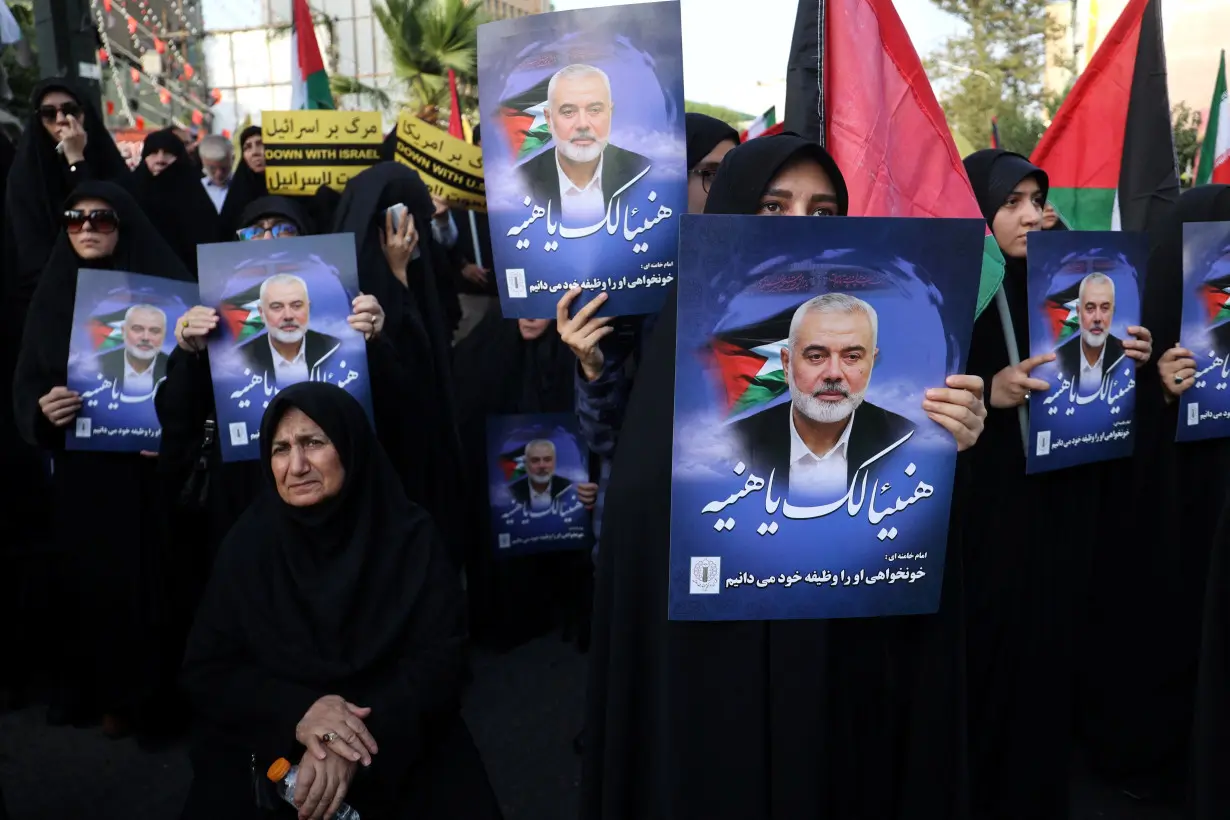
x: 733, y: 118
x: 20, y: 64
x: 1186, y: 143
x: 426, y: 38
x: 994, y: 67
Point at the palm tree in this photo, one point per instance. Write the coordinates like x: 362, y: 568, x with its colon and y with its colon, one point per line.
x: 427, y: 38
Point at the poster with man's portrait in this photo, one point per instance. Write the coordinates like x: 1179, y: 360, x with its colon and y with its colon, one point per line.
x: 282, y: 306
x: 118, y: 353
x: 808, y: 480
x: 1084, y: 293
x: 1204, y: 408
x: 584, y: 155
x: 536, y: 463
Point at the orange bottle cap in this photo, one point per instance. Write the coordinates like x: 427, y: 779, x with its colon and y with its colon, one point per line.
x: 278, y: 770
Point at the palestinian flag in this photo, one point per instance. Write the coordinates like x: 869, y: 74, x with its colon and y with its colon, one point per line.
x: 766, y: 125
x: 749, y: 360
x: 524, y: 120
x: 106, y: 329
x: 1110, y: 150
x: 512, y: 463
x: 1215, y: 151
x: 106, y: 321
x: 1061, y: 309
x: 241, y: 313
x: 1216, y: 291
x: 309, y: 82
x: 855, y: 84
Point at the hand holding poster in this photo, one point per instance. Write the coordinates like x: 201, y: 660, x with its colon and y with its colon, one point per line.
x: 451, y: 168
x: 284, y: 306
x: 1084, y: 296
x: 118, y: 355
x: 307, y: 149
x: 585, y: 155
x: 536, y: 466
x: 808, y: 480
x: 1204, y: 407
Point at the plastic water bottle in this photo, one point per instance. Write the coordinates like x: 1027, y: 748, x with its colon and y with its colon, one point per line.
x: 283, y: 776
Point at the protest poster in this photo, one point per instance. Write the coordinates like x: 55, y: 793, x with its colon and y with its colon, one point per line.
x: 585, y: 154
x: 1204, y: 408
x: 535, y: 463
x: 452, y: 169
x: 307, y: 149
x: 121, y: 340
x: 808, y: 481
x: 282, y: 307
x: 1084, y: 292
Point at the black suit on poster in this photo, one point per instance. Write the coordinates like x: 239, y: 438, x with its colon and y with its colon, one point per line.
x: 520, y: 489
x: 1069, y: 357
x: 257, y: 355
x: 541, y: 175
x: 111, y: 365
x: 765, y: 440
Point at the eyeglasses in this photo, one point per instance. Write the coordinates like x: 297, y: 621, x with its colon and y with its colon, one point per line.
x: 256, y: 231
x: 706, y: 176
x: 101, y: 221
x: 50, y: 113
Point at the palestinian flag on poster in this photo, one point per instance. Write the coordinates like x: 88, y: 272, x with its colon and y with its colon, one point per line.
x: 106, y: 329
x: 524, y: 120
x: 1110, y: 150
x: 1215, y: 150
x: 1061, y: 309
x: 1216, y: 291
x: 766, y: 125
x: 241, y: 312
x: 309, y: 82
x: 106, y: 322
x: 512, y: 463
x: 749, y: 360
x: 855, y: 84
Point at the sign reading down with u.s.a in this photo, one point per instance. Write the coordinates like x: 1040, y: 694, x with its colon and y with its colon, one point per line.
x: 307, y: 149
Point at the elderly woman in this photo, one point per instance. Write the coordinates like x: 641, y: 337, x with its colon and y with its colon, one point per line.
x: 332, y: 633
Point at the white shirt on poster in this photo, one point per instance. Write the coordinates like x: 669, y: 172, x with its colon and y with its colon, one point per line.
x: 138, y: 383
x: 581, y: 206
x: 290, y: 371
x: 1091, y: 374
x: 818, y: 478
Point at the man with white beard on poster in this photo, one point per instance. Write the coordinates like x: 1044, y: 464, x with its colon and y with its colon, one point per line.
x: 583, y: 172
x: 288, y: 352
x: 140, y: 365
x: 1095, y: 351
x: 814, y: 444
x: 538, y: 489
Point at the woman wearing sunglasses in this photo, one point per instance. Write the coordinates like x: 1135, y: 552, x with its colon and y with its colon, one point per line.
x: 109, y: 517
x: 64, y: 142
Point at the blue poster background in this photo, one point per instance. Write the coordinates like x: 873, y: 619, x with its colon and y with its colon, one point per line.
x: 1204, y: 408
x: 231, y: 274
x: 631, y: 253
x: 113, y: 418
x: 517, y: 530
x: 1068, y: 427
x: 737, y: 552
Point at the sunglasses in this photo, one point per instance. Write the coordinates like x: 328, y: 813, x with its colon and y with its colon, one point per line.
x: 101, y: 221
x: 256, y: 231
x: 50, y: 113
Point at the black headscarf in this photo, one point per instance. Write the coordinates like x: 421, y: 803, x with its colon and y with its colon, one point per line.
x: 704, y: 134
x: 994, y: 173
x: 175, y: 200
x: 40, y: 180
x: 246, y: 187
x: 747, y: 169
x: 332, y: 586
x: 835, y: 708
x: 279, y: 206
x: 43, y: 362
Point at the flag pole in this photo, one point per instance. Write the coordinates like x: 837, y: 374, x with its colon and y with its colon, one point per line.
x: 478, y: 254
x: 1014, y: 358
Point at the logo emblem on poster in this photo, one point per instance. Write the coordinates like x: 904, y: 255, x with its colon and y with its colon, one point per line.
x: 239, y: 433
x: 1044, y: 442
x: 516, y: 283
x: 706, y: 576
x: 1193, y: 414
x: 505, y: 540
x: 83, y: 428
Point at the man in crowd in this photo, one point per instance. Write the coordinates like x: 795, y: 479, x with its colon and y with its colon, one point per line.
x: 217, y: 161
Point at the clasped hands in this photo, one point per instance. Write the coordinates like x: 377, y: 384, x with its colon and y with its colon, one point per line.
x: 336, y: 742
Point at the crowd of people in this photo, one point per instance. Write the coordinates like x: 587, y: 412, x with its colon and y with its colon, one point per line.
x: 319, y: 603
